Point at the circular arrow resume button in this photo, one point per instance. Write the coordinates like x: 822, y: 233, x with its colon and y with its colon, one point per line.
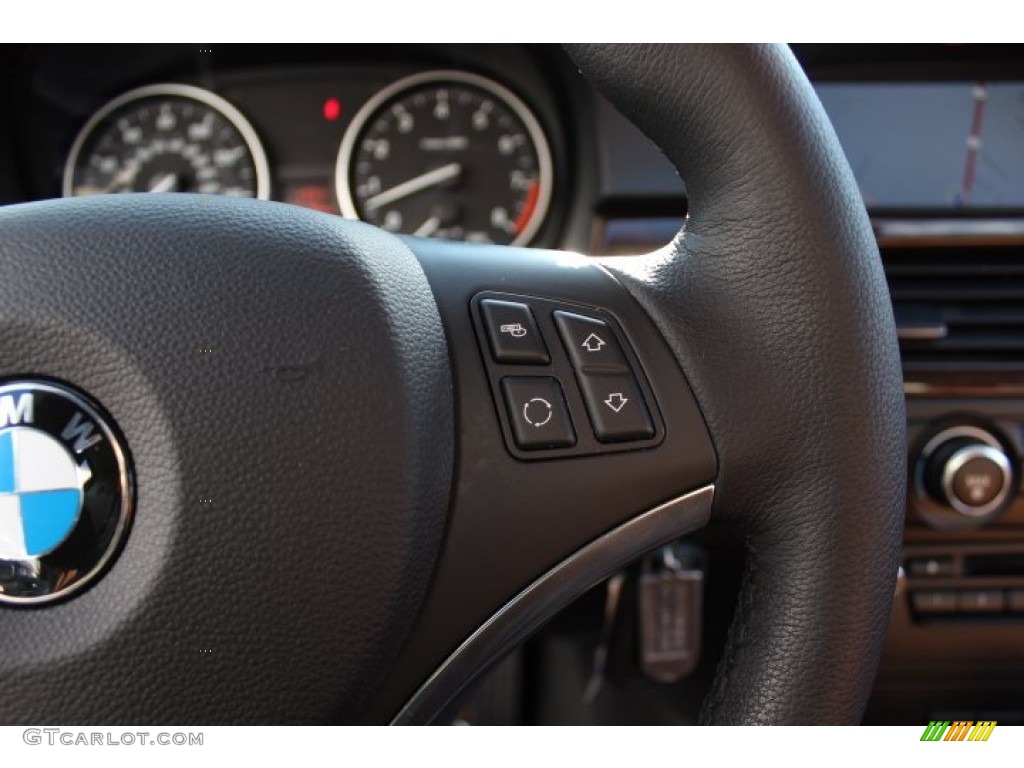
x: 537, y: 413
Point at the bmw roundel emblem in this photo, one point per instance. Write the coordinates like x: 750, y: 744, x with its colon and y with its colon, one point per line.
x: 65, y: 491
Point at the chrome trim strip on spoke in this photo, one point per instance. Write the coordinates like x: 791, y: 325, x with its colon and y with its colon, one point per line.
x: 525, y: 613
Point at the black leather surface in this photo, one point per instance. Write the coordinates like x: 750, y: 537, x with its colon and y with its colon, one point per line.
x: 319, y: 424
x: 774, y: 301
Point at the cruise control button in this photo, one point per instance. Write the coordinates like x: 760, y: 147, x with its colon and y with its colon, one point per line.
x: 589, y: 342
x: 512, y: 333
x: 537, y: 412
x: 616, y: 406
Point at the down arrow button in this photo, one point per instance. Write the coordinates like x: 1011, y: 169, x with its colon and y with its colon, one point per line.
x: 616, y: 407
x: 616, y: 401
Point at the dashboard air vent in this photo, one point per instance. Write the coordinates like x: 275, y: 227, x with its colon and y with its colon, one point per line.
x: 958, y: 308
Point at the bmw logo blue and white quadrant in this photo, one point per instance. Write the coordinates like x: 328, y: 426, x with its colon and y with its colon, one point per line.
x: 65, y: 491
x: 40, y: 493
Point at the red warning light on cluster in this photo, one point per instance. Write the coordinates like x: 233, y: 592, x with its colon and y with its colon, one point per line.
x: 332, y: 109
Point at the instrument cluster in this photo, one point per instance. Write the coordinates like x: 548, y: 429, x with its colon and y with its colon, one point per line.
x: 447, y: 152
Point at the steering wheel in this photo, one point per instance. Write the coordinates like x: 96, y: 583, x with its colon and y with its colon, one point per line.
x: 366, y: 466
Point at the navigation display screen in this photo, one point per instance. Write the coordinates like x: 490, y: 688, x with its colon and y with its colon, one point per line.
x: 932, y: 145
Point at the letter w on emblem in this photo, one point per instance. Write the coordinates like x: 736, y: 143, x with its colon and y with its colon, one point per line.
x: 81, y: 432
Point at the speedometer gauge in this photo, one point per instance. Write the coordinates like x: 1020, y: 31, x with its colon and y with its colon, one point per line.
x: 167, y: 138
x: 447, y: 154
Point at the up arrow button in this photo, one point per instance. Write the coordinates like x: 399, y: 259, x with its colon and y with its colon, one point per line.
x: 589, y: 342
x: 593, y: 343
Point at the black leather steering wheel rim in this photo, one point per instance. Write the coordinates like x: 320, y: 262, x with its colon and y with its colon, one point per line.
x: 774, y: 299
x: 414, y: 520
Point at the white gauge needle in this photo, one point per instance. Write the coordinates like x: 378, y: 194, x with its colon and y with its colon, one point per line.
x: 123, y: 178
x: 166, y: 183
x: 428, y: 227
x: 413, y: 185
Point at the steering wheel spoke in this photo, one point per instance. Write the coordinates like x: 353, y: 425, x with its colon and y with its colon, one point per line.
x: 580, y: 447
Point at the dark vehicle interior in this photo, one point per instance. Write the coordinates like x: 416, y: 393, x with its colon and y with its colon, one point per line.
x: 513, y: 151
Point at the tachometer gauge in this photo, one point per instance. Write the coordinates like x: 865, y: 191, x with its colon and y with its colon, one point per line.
x: 167, y: 138
x: 447, y: 154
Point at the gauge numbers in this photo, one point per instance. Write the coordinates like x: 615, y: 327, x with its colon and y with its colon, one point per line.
x: 450, y: 155
x: 167, y: 138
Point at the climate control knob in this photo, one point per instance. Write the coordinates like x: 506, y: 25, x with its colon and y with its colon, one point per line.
x: 967, y: 469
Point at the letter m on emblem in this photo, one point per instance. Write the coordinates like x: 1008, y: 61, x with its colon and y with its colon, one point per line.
x: 935, y: 730
x: 16, y: 411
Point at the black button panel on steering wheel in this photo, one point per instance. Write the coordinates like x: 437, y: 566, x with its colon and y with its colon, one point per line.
x: 565, y: 382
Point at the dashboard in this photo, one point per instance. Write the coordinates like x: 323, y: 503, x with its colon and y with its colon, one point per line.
x: 508, y: 144
x: 441, y: 144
